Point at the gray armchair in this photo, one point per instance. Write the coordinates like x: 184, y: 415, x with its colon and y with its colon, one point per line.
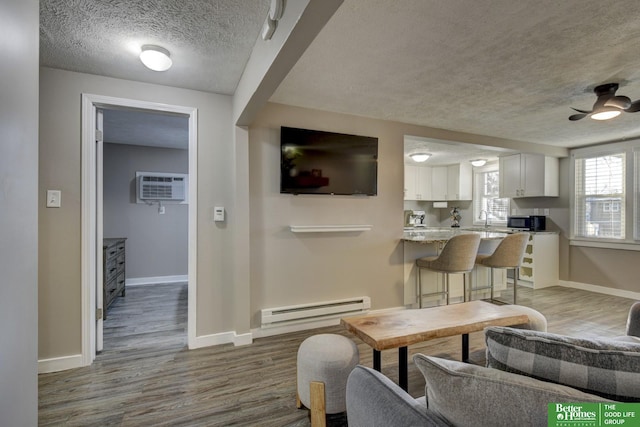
x: 373, y: 400
x: 633, y: 321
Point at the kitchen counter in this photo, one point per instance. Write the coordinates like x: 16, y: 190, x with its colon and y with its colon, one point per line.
x: 434, y: 235
x: 443, y: 234
x: 421, y: 242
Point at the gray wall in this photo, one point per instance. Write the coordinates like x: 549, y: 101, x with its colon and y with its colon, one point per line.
x: 59, y: 311
x: 288, y: 268
x: 157, y: 245
x: 19, y: 20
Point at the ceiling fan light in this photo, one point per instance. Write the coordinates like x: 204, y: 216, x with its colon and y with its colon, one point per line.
x: 478, y: 162
x: 420, y: 157
x: 605, y: 115
x: 155, y: 58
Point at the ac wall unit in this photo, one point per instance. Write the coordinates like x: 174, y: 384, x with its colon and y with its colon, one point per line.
x: 162, y: 186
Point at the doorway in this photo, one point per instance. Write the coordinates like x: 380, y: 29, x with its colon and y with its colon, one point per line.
x: 145, y: 172
x: 92, y: 212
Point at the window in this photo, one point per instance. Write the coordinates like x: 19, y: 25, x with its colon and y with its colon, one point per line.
x: 487, y: 205
x: 605, y: 199
x: 599, y: 196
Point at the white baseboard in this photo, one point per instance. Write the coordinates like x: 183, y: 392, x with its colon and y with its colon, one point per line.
x: 156, y: 280
x: 600, y: 289
x: 242, y: 339
x: 56, y: 364
x: 222, y: 338
x: 311, y: 324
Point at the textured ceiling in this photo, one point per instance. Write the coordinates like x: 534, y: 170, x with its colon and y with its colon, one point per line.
x: 501, y: 68
x: 447, y: 153
x: 152, y: 129
x: 210, y: 40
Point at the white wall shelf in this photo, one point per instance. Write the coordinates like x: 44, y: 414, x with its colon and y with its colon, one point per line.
x: 328, y: 228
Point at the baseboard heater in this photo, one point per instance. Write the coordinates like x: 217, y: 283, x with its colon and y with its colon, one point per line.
x: 314, y: 311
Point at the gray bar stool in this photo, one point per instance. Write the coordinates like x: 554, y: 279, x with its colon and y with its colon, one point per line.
x: 457, y: 256
x: 507, y: 255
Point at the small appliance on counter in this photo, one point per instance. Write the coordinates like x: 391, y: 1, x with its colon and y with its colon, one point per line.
x: 528, y: 222
x: 414, y: 218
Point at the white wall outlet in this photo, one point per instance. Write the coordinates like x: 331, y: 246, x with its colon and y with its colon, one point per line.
x: 54, y: 198
x: 546, y: 211
x: 218, y: 214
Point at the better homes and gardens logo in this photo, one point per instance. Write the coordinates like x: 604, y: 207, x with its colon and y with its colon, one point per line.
x: 593, y: 414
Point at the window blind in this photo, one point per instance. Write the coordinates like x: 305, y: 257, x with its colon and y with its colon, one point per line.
x: 600, y: 196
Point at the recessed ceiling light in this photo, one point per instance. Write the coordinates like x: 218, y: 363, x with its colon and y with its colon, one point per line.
x: 419, y: 157
x: 155, y: 58
x: 479, y: 162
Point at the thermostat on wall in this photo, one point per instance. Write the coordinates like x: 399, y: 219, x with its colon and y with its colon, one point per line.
x: 218, y: 214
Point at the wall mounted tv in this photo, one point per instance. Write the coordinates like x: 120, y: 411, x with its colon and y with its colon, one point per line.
x: 316, y: 162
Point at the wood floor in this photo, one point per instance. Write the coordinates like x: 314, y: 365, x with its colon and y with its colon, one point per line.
x: 147, y: 377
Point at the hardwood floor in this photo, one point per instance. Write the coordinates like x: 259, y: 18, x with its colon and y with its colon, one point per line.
x: 147, y: 377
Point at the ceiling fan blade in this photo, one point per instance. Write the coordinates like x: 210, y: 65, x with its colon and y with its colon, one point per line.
x: 634, y: 107
x: 575, y: 117
x: 581, y: 111
x: 621, y: 102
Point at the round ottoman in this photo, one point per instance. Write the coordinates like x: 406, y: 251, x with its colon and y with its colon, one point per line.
x: 537, y: 322
x: 324, y: 363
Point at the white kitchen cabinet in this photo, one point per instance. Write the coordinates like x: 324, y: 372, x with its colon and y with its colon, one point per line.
x: 439, y: 183
x: 539, y: 267
x: 417, y: 182
x: 459, y: 182
x: 528, y: 175
x: 453, y: 182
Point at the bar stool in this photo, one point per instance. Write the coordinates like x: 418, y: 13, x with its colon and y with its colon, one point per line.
x: 508, y: 254
x: 457, y: 256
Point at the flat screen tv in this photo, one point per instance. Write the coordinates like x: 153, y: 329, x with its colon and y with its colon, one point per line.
x: 316, y: 162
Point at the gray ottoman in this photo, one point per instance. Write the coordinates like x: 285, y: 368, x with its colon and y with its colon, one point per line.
x: 537, y: 321
x: 324, y: 364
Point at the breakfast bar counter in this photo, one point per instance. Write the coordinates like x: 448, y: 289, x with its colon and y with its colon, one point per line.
x: 437, y: 234
x: 428, y: 241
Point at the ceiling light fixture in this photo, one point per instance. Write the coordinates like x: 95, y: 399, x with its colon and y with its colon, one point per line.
x: 420, y: 157
x: 275, y: 13
x: 478, y: 162
x: 155, y: 58
x: 605, y: 115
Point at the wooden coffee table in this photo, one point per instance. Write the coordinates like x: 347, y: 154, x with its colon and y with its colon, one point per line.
x: 399, y: 329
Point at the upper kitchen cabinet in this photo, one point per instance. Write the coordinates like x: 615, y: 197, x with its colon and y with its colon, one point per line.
x: 528, y: 175
x: 453, y: 182
x: 417, y: 182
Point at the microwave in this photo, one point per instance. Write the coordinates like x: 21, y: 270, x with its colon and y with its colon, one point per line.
x: 528, y: 222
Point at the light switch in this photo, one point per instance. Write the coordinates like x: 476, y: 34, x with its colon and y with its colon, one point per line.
x: 54, y: 198
x: 218, y: 214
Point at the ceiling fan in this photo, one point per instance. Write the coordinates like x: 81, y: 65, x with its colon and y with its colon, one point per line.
x: 608, y: 105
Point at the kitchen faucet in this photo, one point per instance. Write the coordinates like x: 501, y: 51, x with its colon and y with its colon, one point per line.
x: 486, y: 218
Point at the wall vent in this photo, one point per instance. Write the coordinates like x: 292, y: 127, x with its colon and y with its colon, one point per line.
x: 161, y: 186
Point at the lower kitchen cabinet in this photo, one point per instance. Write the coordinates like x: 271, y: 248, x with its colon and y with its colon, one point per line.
x: 540, y: 267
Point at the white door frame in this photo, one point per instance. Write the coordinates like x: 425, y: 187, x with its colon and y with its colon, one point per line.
x: 90, y: 248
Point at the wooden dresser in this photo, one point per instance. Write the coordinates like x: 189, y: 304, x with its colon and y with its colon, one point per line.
x: 113, y: 259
